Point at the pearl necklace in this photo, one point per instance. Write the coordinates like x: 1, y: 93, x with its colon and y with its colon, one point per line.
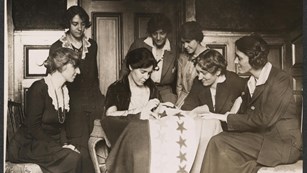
x: 61, y: 113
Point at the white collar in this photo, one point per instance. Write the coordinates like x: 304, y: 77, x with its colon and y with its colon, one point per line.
x: 51, y: 93
x: 149, y: 42
x: 66, y: 43
x: 264, y: 75
x: 221, y: 78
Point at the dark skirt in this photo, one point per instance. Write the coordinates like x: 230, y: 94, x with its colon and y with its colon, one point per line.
x: 50, y: 156
x: 131, y: 152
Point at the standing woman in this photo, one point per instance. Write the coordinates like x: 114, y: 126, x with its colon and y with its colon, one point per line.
x: 86, y: 100
x: 266, y: 131
x: 42, y: 139
x: 191, y: 37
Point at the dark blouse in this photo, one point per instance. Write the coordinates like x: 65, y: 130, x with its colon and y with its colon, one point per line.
x: 118, y: 94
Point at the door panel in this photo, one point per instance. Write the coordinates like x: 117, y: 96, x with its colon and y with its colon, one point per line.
x: 107, y: 32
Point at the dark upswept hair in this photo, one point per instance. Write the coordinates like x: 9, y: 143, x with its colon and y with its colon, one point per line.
x: 159, y: 21
x: 140, y: 58
x: 60, y: 57
x: 76, y: 10
x: 191, y: 31
x: 255, y: 48
x: 211, y: 61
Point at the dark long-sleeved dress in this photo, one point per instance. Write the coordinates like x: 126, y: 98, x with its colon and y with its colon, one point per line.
x: 267, y: 132
x: 41, y: 139
x: 226, y: 94
x: 119, y: 95
x: 86, y: 100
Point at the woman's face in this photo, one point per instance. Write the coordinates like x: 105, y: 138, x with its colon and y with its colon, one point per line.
x: 69, y: 72
x: 205, y: 77
x: 159, y: 38
x: 189, y: 45
x: 242, y: 61
x: 77, y: 27
x: 140, y: 75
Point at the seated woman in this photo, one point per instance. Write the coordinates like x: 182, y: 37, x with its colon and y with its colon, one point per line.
x: 42, y: 139
x: 266, y: 131
x: 215, y: 87
x: 133, y: 97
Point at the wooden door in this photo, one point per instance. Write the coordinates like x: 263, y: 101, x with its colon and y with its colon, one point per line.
x: 116, y: 24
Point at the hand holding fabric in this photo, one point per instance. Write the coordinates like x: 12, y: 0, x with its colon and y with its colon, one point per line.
x: 199, y: 110
x: 149, y: 108
x: 210, y: 115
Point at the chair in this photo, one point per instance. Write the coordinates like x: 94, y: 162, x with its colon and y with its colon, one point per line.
x: 16, y: 118
x: 99, y: 146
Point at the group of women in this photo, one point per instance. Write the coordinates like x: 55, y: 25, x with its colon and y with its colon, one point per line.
x: 258, y: 115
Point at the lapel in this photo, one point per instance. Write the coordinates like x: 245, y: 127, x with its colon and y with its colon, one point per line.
x: 222, y: 95
x: 259, y: 89
x: 168, y: 60
x: 207, y: 98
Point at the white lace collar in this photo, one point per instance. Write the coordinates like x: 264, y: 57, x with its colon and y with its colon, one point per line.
x: 66, y: 43
x: 51, y: 92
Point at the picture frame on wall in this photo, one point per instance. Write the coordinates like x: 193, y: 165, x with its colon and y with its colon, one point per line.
x: 34, y: 56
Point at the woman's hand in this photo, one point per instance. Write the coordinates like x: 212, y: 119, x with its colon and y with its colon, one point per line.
x: 69, y: 146
x: 209, y: 115
x: 199, y: 110
x: 149, y: 108
x: 163, y: 106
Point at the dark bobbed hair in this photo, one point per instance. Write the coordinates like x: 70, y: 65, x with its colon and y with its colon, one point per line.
x: 255, y: 48
x: 159, y: 21
x: 140, y: 58
x: 72, y: 11
x: 59, y: 58
x: 191, y: 31
x: 211, y: 61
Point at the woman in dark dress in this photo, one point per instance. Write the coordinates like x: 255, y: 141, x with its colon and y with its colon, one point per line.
x: 133, y: 97
x: 42, y: 140
x: 86, y: 100
x: 266, y: 131
x: 215, y: 87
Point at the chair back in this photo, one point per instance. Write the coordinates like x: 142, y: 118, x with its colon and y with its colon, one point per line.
x: 15, y: 118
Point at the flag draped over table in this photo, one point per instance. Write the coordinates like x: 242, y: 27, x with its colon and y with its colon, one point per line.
x: 173, y: 143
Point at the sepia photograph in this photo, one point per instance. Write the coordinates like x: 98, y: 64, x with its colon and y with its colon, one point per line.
x: 153, y: 86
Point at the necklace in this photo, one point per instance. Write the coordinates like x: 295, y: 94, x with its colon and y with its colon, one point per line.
x: 61, y: 113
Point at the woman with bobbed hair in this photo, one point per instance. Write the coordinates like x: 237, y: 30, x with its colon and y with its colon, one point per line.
x: 191, y: 38
x: 42, y: 139
x: 133, y: 97
x: 266, y: 130
x: 86, y: 99
x: 214, y: 86
x: 215, y: 89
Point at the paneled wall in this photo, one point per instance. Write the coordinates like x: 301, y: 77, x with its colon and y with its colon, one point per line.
x: 225, y: 43
x: 30, y: 49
